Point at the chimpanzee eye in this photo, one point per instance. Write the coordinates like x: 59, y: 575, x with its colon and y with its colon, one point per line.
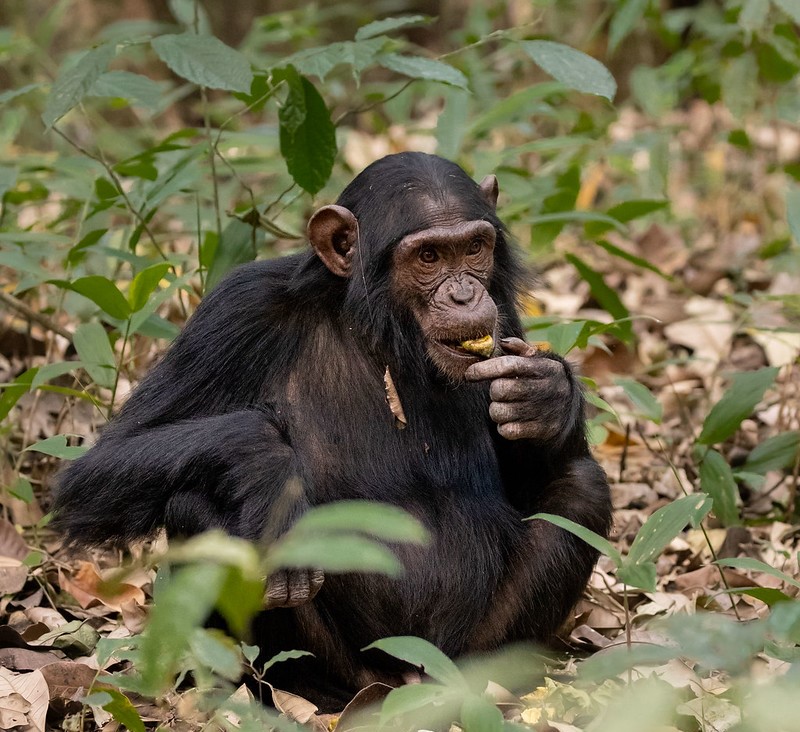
x: 475, y: 246
x: 428, y: 255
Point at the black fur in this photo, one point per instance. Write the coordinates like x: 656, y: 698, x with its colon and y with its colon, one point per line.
x: 279, y: 376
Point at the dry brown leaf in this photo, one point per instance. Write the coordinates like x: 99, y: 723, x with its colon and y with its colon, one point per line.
x: 32, y: 688
x: 362, y: 706
x: 393, y: 400
x: 13, y: 575
x: 12, y: 545
x: 25, y: 659
x: 89, y: 588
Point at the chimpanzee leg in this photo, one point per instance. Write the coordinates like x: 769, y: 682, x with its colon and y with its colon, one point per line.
x: 551, y: 566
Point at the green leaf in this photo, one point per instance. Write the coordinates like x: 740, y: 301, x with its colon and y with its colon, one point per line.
x: 790, y: 7
x: 74, y: 82
x: 21, y: 488
x: 91, y: 343
x: 642, y: 575
x: 118, y: 706
x: 625, y: 212
x: 411, y: 699
x: 738, y: 402
x: 102, y: 292
x: 322, y: 60
x: 422, y: 654
x: 204, y: 60
x: 57, y: 447
x: 624, y: 20
x: 664, y: 525
x: 793, y: 212
x: 216, y: 651
x: 127, y: 85
x: 753, y: 15
x: 334, y: 553
x: 283, y: 656
x: 633, y: 259
x: 571, y: 67
x: 755, y: 565
x: 307, y: 134
x: 13, y: 391
x: 387, y: 25
x: 144, y: 284
x: 739, y: 84
x: 478, y: 714
x: 590, y: 537
x: 11, y: 94
x: 716, y: 479
x: 643, y: 400
x: 418, y: 67
x: 381, y: 520
x: 239, y: 244
x: 607, y: 297
x: 53, y: 371
x: 776, y: 453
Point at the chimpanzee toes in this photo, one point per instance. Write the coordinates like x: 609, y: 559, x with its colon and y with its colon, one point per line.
x: 291, y: 588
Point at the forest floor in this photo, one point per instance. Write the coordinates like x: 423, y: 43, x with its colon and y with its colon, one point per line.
x: 718, y: 303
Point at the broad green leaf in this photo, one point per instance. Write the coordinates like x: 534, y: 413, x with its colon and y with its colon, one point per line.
x: 478, y: 714
x: 579, y: 216
x: 241, y: 599
x: 135, y: 88
x: 12, y: 392
x: 77, y: 253
x: 57, y: 447
x: 283, y: 656
x: 204, y: 60
x: 322, y: 60
x: 793, y: 210
x: 642, y: 575
x: 217, y: 652
x: 452, y: 123
x: 624, y: 20
x: 118, y: 706
x: 21, y: 488
x: 11, y: 94
x: 607, y: 297
x: 594, y: 540
x: 745, y: 392
x: 755, y: 565
x: 381, y: 520
x: 776, y: 453
x: 791, y: 8
x: 387, y: 25
x: 664, y: 525
x: 240, y: 242
x: 716, y: 479
x: 218, y: 548
x: 739, y: 84
x: 625, y: 212
x: 91, y: 343
x: 334, y: 553
x: 411, y: 699
x: 643, y: 400
x: 101, y: 291
x: 307, y: 134
x: 145, y: 283
x: 423, y: 654
x: 53, y: 371
x: 512, y: 107
x: 74, y: 82
x: 768, y: 595
x: 753, y: 15
x: 571, y: 67
x: 418, y: 67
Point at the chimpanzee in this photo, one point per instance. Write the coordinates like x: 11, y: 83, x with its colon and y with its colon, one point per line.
x: 279, y: 379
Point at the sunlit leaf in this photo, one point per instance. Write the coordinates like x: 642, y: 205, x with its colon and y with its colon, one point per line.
x: 571, y: 67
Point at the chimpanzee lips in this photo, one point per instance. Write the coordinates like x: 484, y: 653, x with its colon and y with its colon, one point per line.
x: 480, y: 347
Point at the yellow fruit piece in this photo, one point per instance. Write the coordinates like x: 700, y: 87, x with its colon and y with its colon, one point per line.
x: 481, y: 346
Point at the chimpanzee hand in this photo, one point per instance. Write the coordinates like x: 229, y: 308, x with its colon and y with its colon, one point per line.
x: 292, y: 587
x: 534, y: 395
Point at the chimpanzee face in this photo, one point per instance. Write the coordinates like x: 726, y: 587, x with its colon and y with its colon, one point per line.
x: 441, y: 274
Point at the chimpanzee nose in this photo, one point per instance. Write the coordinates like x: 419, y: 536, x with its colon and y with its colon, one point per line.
x: 461, y: 292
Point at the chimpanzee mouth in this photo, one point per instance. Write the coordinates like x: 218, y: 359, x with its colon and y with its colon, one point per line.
x: 466, y: 349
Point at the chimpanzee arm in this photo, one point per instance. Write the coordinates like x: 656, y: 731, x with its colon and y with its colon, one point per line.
x: 232, y: 471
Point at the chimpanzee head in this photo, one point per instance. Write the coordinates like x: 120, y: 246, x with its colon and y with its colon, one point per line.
x: 414, y: 233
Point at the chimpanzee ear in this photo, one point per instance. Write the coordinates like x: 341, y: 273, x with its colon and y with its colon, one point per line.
x: 333, y: 232
x: 490, y: 189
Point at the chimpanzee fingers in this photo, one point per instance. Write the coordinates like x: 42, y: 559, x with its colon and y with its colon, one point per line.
x: 290, y: 588
x: 514, y: 366
x: 538, y: 392
x: 538, y: 430
x: 518, y: 347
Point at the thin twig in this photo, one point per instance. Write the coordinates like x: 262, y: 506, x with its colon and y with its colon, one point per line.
x: 33, y: 316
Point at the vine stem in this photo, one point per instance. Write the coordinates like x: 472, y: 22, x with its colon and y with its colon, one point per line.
x: 119, y: 368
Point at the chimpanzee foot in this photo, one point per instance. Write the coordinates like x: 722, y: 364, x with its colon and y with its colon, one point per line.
x: 292, y: 587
